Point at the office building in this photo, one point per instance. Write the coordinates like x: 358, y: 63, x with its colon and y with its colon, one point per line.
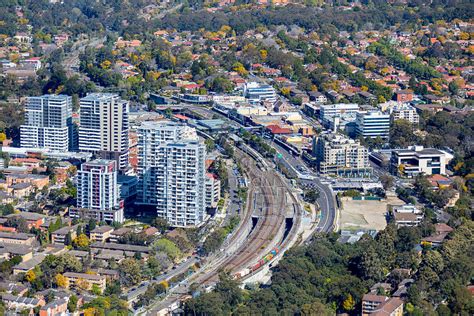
x: 403, y: 111
x: 339, y: 116
x: 48, y: 123
x: 104, y: 127
x: 417, y: 159
x: 372, y: 124
x: 336, y: 154
x: 171, y: 172
x: 257, y: 92
x: 327, y: 110
x: 98, y: 195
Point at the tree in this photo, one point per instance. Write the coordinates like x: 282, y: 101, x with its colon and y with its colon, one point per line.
x: 168, y: 247
x: 315, y: 308
x: 401, y: 134
x: 130, y: 272
x: 19, y: 223
x: 61, y: 280
x: 7, y: 209
x: 92, y: 224
x: 95, y: 289
x: 82, y: 284
x: 210, y: 145
x: 229, y: 289
x: 311, y: 195
x: 387, y: 181
x: 72, y: 303
x: 408, y: 237
x: 160, y: 223
x: 30, y: 276
x: 370, y: 265
x: 348, y: 303
x: 81, y: 242
x: 68, y: 239
x: 453, y: 87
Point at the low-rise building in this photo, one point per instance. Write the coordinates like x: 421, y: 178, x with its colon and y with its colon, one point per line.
x: 85, y: 280
x: 12, y: 287
x: 417, y: 159
x: 370, y: 302
x: 406, y: 112
x: 257, y: 92
x: 26, y: 266
x: 21, y: 303
x: 60, y: 236
x: 101, y: 234
x: 391, y: 307
x: 212, y: 190
x: 317, y: 97
x: 8, y: 251
x: 119, y: 233
x: 36, y: 180
x: 121, y: 247
x: 32, y: 219
x: 407, y: 215
x: 57, y: 307
x: 333, y: 110
x: 404, y: 95
x: 441, y: 232
x: 17, y: 238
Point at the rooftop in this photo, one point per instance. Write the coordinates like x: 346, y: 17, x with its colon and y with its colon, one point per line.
x: 102, y: 229
x: 30, y: 264
x: 21, y: 236
x: 85, y: 276
x: 123, y: 247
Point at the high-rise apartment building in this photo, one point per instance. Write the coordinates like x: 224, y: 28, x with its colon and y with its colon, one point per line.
x: 339, y: 155
x: 98, y: 194
x: 104, y: 127
x: 48, y: 123
x: 372, y: 124
x: 171, y: 171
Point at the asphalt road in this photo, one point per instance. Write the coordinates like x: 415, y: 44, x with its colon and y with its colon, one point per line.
x: 326, y: 199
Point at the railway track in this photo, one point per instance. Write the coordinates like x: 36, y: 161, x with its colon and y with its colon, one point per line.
x: 267, y: 227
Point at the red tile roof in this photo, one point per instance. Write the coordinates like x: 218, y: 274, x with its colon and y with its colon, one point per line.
x: 181, y: 117
x: 275, y: 129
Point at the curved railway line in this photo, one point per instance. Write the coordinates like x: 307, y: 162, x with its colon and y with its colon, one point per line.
x: 262, y: 234
x: 273, y: 191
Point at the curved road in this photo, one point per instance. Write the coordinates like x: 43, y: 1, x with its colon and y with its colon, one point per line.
x: 326, y: 200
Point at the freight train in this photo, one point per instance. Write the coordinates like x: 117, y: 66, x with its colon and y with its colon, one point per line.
x: 267, y: 258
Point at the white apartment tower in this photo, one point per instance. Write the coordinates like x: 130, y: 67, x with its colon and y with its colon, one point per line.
x: 48, y: 123
x: 104, y: 127
x: 98, y: 194
x: 171, y: 172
